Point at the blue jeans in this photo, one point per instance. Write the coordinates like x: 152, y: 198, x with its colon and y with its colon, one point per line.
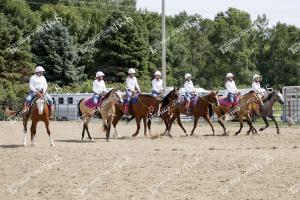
x: 128, y: 95
x: 96, y: 98
x: 31, y: 96
x: 188, y: 96
x: 155, y: 94
x: 231, y: 97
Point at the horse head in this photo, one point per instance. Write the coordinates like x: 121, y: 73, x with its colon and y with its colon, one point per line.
x: 118, y: 95
x: 214, y: 97
x: 279, y: 97
x: 40, y: 102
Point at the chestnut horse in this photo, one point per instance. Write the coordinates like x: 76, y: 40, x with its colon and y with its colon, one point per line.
x: 202, y: 108
x: 106, y: 109
x: 39, y: 111
x: 248, y: 102
x: 144, y: 105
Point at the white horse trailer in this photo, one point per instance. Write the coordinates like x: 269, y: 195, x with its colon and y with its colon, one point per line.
x: 291, y: 110
x: 66, y: 105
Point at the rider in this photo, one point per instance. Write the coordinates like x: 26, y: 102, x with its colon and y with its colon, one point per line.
x: 189, y: 90
x: 231, y: 87
x: 99, y: 87
x: 38, y: 87
x: 256, y: 84
x: 157, y: 84
x: 132, y: 87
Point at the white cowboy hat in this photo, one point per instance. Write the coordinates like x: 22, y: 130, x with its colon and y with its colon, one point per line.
x: 187, y: 75
x: 99, y: 73
x: 157, y: 73
x: 228, y: 75
x: 255, y: 76
x: 131, y: 71
x: 39, y: 69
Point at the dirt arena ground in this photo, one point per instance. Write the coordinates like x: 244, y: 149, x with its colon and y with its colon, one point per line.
x: 266, y: 166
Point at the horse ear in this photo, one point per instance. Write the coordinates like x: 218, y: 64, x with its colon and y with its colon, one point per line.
x: 217, y: 91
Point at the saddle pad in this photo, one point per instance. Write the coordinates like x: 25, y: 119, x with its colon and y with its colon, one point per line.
x: 133, y: 100
x: 193, y: 100
x: 90, y: 103
x: 224, y: 101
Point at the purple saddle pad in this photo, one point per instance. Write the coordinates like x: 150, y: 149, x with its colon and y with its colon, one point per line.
x: 90, y: 103
x: 224, y: 101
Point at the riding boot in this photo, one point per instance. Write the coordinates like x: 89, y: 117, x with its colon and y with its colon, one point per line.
x: 187, y: 106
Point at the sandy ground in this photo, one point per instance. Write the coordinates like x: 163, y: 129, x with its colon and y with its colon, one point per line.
x: 266, y: 166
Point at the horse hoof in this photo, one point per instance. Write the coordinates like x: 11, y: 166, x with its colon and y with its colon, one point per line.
x: 133, y: 135
x: 52, y: 145
x: 91, y: 139
x: 236, y: 133
x: 261, y: 129
x: 33, y: 145
x: 107, y: 140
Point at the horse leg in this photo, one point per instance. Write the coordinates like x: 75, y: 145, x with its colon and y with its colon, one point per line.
x: 88, y: 132
x: 33, y: 132
x: 195, y: 124
x: 167, y: 126
x: 145, y: 126
x: 108, y: 131
x: 226, y: 132
x: 241, y: 124
x: 170, y: 124
x: 115, y: 121
x: 149, y: 126
x: 211, y: 125
x: 180, y: 124
x: 266, y: 122
x: 138, y: 124
x: 25, y: 121
x: 49, y: 133
x: 277, y: 127
x: 83, y: 131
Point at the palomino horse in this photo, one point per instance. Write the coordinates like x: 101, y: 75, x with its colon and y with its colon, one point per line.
x: 267, y: 109
x: 106, y: 109
x: 39, y: 111
x: 202, y: 108
x: 144, y: 105
x: 247, y: 103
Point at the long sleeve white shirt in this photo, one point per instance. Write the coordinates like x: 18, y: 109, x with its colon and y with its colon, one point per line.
x: 189, y: 86
x: 37, y: 83
x: 99, y: 86
x: 132, y: 83
x: 157, y: 85
x: 231, y: 87
x: 256, y: 87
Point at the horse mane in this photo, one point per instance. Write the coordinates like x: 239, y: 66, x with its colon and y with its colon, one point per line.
x: 166, y: 98
x: 107, y: 94
x: 270, y: 96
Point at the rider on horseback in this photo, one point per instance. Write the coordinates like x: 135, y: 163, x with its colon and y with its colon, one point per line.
x: 38, y: 87
x: 132, y: 87
x: 157, y: 85
x: 256, y: 84
x: 99, y: 87
x: 189, y: 90
x: 231, y: 88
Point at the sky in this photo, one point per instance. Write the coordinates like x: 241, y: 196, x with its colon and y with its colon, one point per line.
x: 286, y: 11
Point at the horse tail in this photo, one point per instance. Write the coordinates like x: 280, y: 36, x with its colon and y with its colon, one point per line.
x: 210, y: 109
x: 9, y: 112
x: 79, y: 111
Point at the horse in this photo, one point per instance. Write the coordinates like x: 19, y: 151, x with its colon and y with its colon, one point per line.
x: 144, y: 105
x: 39, y: 111
x: 203, y: 107
x: 267, y: 109
x: 242, y: 109
x: 166, y: 110
x: 106, y: 109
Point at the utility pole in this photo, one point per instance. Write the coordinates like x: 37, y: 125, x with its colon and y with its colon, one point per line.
x: 163, y: 45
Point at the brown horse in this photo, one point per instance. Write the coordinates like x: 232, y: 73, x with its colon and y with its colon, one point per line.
x: 202, y: 108
x: 106, y: 109
x: 145, y: 105
x: 248, y: 102
x: 39, y: 111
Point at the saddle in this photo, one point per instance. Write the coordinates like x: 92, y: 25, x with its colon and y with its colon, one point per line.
x: 224, y: 101
x: 133, y: 99
x: 90, y: 103
x: 194, y: 100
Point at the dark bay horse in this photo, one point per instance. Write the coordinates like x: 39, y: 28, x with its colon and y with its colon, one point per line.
x: 39, y: 111
x: 246, y: 105
x: 267, y: 109
x: 106, y: 109
x: 202, y: 108
x: 144, y: 105
x: 166, y: 110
